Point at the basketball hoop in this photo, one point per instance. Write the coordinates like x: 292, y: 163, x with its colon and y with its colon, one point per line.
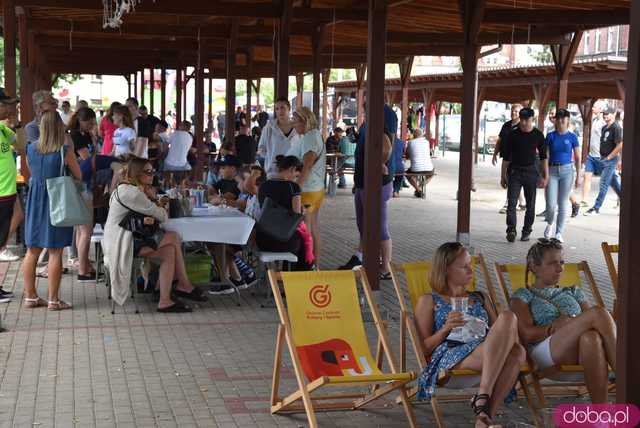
x: 114, y: 11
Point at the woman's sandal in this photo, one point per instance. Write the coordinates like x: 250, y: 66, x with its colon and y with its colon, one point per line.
x: 35, y: 302
x: 177, y: 307
x: 58, y: 305
x: 196, y: 294
x: 481, y: 410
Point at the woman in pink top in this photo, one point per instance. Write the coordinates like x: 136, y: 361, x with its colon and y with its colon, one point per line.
x: 107, y: 128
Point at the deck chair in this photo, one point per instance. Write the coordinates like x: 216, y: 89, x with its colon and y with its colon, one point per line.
x: 569, y: 378
x: 608, y: 250
x: 416, y: 275
x: 325, y: 334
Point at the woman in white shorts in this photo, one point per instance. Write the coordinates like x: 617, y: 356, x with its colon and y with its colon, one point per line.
x: 559, y: 326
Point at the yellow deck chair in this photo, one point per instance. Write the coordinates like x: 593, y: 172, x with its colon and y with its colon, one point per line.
x: 323, y: 329
x: 416, y: 275
x: 608, y: 250
x: 569, y: 376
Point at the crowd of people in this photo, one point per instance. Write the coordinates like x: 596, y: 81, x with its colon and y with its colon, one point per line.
x: 553, y: 162
x: 129, y: 163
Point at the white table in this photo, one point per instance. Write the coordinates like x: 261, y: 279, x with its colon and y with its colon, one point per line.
x: 228, y: 227
x: 224, y: 226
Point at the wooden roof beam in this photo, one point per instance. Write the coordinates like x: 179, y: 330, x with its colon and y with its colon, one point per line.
x: 536, y: 36
x: 561, y: 17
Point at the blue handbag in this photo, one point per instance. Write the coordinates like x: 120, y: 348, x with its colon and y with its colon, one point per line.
x: 66, y: 207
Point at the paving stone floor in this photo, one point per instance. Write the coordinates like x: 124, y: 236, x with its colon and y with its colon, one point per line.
x: 212, y: 368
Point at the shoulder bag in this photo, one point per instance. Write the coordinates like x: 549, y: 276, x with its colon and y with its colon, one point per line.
x: 66, y: 207
x: 277, y: 221
x: 148, y: 235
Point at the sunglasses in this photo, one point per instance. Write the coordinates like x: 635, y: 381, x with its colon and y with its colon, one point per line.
x: 553, y: 242
x: 148, y: 172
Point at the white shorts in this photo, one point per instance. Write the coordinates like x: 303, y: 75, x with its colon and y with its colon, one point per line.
x: 541, y: 354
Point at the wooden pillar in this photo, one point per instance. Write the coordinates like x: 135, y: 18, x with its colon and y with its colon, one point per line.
x: 198, y: 108
x: 185, y: 82
x: 437, y: 130
x: 316, y: 42
x: 621, y: 90
x: 135, y: 84
x: 142, y: 87
x: 472, y: 13
x: 361, y: 70
x: 334, y: 107
x: 628, y: 363
x: 563, y: 56
x: 152, y: 84
x: 258, y: 80
x: 127, y: 77
x: 163, y: 93
x: 542, y: 94
x: 282, y: 63
x: 427, y: 99
x: 249, y: 84
x: 476, y: 130
x: 9, y: 30
x: 178, y: 95
x: 26, y: 77
x: 299, y: 90
x: 405, y: 77
x: 376, y: 42
x: 586, y: 111
x: 325, y: 102
x: 210, y: 93
x: 230, y: 95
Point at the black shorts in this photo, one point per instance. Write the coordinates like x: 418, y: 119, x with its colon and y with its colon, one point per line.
x: 6, y: 214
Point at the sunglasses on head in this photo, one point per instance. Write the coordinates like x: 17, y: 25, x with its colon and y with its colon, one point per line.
x: 148, y: 171
x: 549, y: 241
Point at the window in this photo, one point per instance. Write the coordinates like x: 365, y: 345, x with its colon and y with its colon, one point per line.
x: 586, y: 42
x: 611, y: 39
x: 596, y: 49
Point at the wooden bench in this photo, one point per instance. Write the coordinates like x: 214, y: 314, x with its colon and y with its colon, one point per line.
x: 422, y: 178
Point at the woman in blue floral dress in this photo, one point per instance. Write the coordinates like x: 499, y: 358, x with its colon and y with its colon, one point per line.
x: 498, y: 355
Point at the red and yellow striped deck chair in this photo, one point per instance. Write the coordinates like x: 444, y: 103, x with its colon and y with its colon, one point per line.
x: 324, y: 331
x: 417, y: 283
x: 570, y: 378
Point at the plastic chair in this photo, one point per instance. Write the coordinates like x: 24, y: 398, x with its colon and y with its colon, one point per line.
x: 324, y: 331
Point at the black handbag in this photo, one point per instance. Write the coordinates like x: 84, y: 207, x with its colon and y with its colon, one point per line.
x: 277, y: 221
x: 148, y: 235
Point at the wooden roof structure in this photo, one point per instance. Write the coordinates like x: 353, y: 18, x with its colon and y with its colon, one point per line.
x: 68, y: 34
x: 593, y: 79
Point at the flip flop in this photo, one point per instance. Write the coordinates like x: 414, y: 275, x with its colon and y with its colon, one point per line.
x: 36, y: 302
x: 58, y: 305
x: 177, y: 307
x: 196, y: 294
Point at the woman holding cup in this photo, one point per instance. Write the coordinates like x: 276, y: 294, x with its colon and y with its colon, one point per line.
x: 496, y: 354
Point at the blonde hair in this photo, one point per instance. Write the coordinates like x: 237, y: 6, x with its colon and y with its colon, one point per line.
x: 38, y: 98
x: 304, y: 114
x: 52, y: 135
x: 134, y: 170
x: 536, y: 254
x: 445, y: 255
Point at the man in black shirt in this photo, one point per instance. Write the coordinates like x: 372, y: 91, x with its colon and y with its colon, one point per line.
x: 246, y: 147
x: 520, y: 151
x: 146, y: 123
x: 506, y: 129
x: 610, y: 149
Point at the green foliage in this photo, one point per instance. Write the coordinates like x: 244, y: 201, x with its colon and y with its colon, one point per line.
x: 68, y: 78
x: 543, y: 56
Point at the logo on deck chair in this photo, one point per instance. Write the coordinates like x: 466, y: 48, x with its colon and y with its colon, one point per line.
x: 320, y: 295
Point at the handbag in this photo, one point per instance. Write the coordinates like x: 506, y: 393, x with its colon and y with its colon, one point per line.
x: 278, y: 222
x: 148, y: 234
x: 66, y: 206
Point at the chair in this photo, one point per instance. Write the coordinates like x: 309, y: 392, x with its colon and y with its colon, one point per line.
x: 97, y: 236
x: 567, y: 376
x: 135, y: 268
x: 416, y: 275
x: 608, y: 250
x: 273, y: 261
x: 325, y: 334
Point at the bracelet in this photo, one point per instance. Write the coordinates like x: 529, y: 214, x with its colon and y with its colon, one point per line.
x: 549, y: 327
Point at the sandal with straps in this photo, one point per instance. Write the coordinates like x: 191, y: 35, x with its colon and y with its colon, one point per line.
x: 58, y: 305
x: 35, y: 302
x: 481, y: 410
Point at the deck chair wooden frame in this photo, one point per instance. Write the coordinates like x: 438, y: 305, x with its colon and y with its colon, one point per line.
x: 394, y: 381
x: 608, y: 250
x: 408, y: 328
x: 556, y: 388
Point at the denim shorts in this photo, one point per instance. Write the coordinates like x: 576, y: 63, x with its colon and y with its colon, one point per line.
x: 593, y: 165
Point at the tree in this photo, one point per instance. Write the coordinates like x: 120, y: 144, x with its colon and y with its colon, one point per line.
x: 544, y: 55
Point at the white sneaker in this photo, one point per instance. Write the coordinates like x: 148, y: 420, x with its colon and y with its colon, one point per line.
x: 548, y: 230
x: 7, y: 256
x: 559, y: 237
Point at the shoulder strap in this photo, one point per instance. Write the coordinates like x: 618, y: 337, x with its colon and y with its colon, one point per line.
x: 546, y: 299
x: 122, y: 203
x: 62, y: 160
